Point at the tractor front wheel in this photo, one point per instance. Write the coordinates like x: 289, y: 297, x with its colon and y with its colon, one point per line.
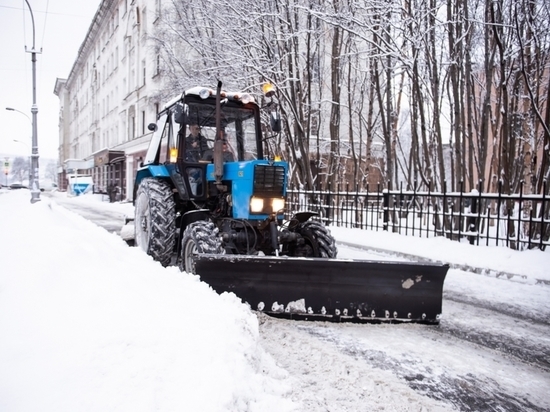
x: 199, y: 237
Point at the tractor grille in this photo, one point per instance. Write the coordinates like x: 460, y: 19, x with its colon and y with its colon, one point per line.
x: 269, y: 180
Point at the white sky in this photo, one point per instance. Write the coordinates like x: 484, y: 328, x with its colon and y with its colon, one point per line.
x: 60, y: 28
x: 89, y: 324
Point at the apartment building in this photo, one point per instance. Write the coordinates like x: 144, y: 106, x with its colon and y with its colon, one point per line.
x: 108, y: 100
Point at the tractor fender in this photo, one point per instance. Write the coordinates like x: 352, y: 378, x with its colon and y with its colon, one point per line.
x: 300, y: 217
x: 194, y: 216
x: 149, y: 171
x: 159, y: 171
x: 188, y: 218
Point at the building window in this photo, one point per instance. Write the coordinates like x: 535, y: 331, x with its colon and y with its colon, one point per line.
x: 143, y: 122
x: 144, y: 71
x: 132, y: 127
x: 157, y: 65
x: 131, y: 122
x: 157, y: 9
x: 143, y: 26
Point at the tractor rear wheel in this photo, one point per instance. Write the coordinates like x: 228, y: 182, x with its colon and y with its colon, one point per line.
x: 199, y: 237
x: 155, y: 220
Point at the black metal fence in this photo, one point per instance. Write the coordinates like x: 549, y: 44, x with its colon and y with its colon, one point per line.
x: 519, y: 221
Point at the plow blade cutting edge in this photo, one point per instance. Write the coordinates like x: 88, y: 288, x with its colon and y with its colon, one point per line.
x: 329, y: 289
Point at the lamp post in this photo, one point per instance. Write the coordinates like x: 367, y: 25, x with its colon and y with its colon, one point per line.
x: 35, y: 190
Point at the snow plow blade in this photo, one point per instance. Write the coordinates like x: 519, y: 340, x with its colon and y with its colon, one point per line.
x: 329, y: 289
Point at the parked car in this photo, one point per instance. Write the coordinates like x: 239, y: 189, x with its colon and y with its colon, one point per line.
x: 47, y: 185
x: 18, y: 186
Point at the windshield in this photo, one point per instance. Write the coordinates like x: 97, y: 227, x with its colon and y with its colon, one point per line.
x: 238, y: 130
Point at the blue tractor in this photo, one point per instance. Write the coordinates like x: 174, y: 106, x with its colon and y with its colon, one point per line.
x: 208, y: 199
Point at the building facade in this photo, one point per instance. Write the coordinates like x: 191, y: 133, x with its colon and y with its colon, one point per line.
x: 108, y: 99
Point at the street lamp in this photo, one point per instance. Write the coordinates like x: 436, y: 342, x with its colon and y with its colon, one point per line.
x: 19, y: 111
x: 35, y: 190
x: 24, y: 114
x: 19, y: 141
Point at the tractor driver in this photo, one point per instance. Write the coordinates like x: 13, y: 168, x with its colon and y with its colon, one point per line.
x: 195, y: 144
x: 228, y: 155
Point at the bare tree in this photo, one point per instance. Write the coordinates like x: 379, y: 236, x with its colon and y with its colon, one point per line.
x: 356, y: 76
x: 20, y: 169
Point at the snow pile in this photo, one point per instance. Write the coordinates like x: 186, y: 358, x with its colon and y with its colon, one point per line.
x: 88, y: 324
x: 501, y: 260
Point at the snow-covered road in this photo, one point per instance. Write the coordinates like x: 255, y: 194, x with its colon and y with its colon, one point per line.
x: 475, y: 359
x: 491, y: 352
x: 483, y: 356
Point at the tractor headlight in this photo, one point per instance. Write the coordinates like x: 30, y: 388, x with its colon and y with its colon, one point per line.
x: 244, y: 98
x: 266, y: 206
x: 256, y: 205
x: 277, y: 205
x: 247, y: 98
x: 205, y: 93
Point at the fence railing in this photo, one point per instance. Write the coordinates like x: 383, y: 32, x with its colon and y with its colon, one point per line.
x: 519, y: 221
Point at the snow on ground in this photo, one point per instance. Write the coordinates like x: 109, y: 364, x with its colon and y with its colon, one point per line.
x: 528, y: 266
x: 87, y: 323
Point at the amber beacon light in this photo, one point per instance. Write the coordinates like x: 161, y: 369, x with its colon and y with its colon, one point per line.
x: 268, y: 89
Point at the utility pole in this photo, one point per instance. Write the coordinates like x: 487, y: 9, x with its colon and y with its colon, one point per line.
x: 35, y: 188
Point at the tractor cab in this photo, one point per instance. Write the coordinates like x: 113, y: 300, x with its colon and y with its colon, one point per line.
x: 195, y: 142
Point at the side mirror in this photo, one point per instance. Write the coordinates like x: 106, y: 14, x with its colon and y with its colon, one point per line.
x: 275, y: 121
x: 181, y: 113
x: 152, y: 127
